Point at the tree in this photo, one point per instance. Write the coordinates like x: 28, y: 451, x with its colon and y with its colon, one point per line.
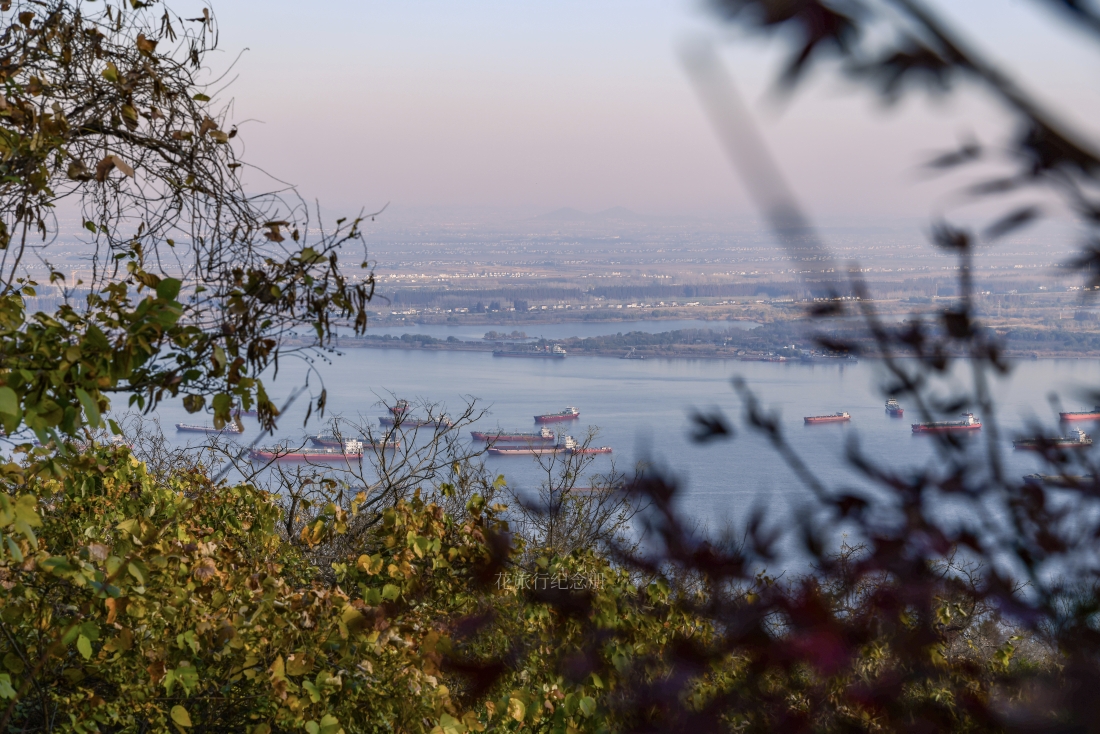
x: 193, y: 281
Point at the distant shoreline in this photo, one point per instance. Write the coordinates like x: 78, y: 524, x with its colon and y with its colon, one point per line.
x: 679, y: 352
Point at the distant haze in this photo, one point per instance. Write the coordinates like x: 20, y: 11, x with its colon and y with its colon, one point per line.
x: 532, y: 107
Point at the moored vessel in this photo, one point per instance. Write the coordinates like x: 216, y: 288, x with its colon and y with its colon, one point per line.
x: 1082, y: 415
x: 894, y: 409
x: 1061, y: 480
x: 410, y: 422
x: 190, y: 428
x: 842, y: 417
x: 1077, y: 439
x: 568, y: 414
x: 351, y: 449
x: 545, y: 434
x: 968, y: 423
x: 547, y: 352
x: 327, y: 440
x: 567, y: 445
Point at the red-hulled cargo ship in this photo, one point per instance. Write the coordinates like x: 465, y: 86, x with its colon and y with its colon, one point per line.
x: 541, y: 436
x: 968, y: 423
x: 1083, y: 415
x: 833, y: 418
x: 894, y: 409
x: 568, y: 414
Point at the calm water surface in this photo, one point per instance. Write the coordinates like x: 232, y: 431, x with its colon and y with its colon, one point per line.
x: 642, y: 410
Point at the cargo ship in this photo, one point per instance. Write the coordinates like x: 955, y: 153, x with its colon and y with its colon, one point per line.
x: 568, y: 445
x: 352, y: 449
x: 1061, y: 480
x: 327, y: 440
x: 1083, y: 415
x: 968, y: 423
x: 833, y: 418
x: 547, y: 352
x: 1077, y: 439
x: 568, y: 414
x: 893, y: 409
x: 400, y: 408
x: 545, y: 434
x: 190, y: 428
x: 408, y: 422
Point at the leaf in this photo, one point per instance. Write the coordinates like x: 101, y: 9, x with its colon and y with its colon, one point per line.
x: 138, y: 571
x: 6, y: 690
x: 105, y: 166
x: 91, y: 408
x: 391, y: 592
x: 110, y: 73
x: 516, y: 709
x: 180, y: 715
x: 201, y: 98
x: 145, y: 46
x: 84, y: 646
x: 588, y: 706
x: 168, y: 289
x: 9, y: 401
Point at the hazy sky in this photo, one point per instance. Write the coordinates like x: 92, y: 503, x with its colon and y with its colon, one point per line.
x: 530, y: 106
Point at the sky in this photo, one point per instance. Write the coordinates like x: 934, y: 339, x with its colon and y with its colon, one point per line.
x: 522, y: 107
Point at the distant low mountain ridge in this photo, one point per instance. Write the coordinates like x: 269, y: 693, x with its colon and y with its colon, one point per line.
x: 614, y: 214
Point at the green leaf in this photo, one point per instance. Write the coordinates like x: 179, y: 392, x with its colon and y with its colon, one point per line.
x: 201, y: 98
x: 84, y: 645
x: 91, y: 408
x: 9, y: 401
x: 114, y: 427
x: 391, y: 592
x: 168, y: 289
x: 138, y: 571
x: 588, y: 705
x: 6, y: 690
x: 180, y: 715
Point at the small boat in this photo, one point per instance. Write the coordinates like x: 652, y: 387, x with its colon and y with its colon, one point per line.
x: 544, y: 434
x: 632, y: 354
x: 568, y: 414
x: 893, y: 409
x: 410, y: 422
x: 1083, y: 415
x: 190, y: 428
x: 968, y: 423
x: 1077, y: 439
x: 831, y: 418
x: 352, y: 449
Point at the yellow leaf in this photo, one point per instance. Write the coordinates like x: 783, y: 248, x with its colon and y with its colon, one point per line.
x: 180, y: 715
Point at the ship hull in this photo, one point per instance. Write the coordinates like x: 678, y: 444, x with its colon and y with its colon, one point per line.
x: 896, y: 413
x: 827, y: 419
x: 600, y: 450
x: 923, y: 428
x: 265, y: 455
x: 532, y: 437
x: 530, y: 451
x: 532, y: 355
x: 413, y: 423
x: 1085, y: 416
x: 555, y: 418
x: 183, y: 428
x: 1036, y: 446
